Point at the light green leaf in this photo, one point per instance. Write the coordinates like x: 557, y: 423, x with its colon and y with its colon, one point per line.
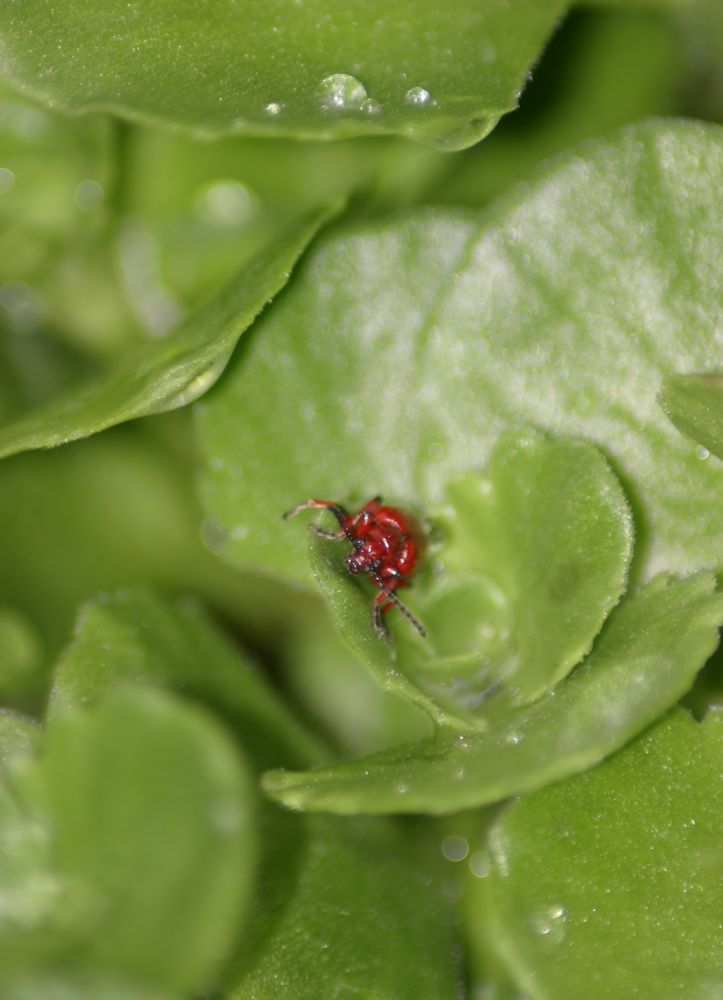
x: 57, y: 182
x: 348, y: 889
x: 137, y: 637
x: 645, y: 659
x: 60, y: 986
x: 533, y: 557
x: 172, y: 372
x: 608, y: 884
x: 563, y: 309
x: 128, y: 847
x: 695, y: 405
x: 441, y: 73
x: 547, y: 529
x: 18, y: 735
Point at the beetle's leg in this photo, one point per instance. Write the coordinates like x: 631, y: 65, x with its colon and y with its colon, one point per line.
x: 339, y: 513
x: 328, y: 534
x: 381, y: 604
x: 387, y: 593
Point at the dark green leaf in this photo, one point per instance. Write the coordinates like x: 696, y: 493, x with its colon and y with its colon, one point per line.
x: 645, y: 659
x: 102, y: 512
x: 171, y: 372
x: 347, y: 911
x: 441, y: 73
x: 21, y: 660
x: 128, y: 847
x: 607, y: 885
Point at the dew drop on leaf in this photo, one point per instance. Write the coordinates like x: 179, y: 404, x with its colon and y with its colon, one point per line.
x: 417, y: 96
x: 342, y: 92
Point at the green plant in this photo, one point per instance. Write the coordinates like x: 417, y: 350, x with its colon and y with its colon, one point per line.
x: 220, y: 781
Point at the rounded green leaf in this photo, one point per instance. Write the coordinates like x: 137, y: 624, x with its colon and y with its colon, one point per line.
x: 530, y: 559
x: 403, y: 349
x: 441, y: 73
x: 644, y: 660
x: 547, y: 529
x: 608, y: 885
x: 128, y: 847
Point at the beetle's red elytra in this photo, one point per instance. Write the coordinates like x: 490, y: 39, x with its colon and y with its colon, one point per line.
x: 388, y: 544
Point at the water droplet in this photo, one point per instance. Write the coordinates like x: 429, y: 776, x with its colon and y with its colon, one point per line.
x: 417, y: 96
x: 512, y: 739
x: 7, y: 179
x: 198, y: 385
x: 455, y: 848
x: 550, y: 923
x: 479, y: 864
x: 213, y: 534
x: 89, y: 195
x: 402, y: 789
x: 274, y: 108
x: 342, y: 92
x: 370, y: 107
x: 224, y: 202
x: 701, y: 452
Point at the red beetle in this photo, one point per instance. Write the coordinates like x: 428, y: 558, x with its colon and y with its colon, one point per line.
x: 388, y: 544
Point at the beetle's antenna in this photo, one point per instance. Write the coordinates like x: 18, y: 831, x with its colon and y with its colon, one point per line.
x: 398, y: 604
x: 339, y: 513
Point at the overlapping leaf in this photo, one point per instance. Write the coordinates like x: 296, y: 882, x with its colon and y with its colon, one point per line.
x: 405, y: 348
x: 168, y: 373
x: 127, y: 847
x: 327, y: 887
x: 645, y: 659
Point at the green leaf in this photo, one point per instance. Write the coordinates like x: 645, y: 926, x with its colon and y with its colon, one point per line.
x: 349, y: 888
x: 644, y: 660
x: 117, y: 507
x: 442, y: 74
x: 549, y: 528
x: 403, y: 349
x: 128, y: 847
x: 137, y: 637
x: 18, y: 735
x: 603, y: 69
x: 60, y: 986
x: 608, y: 884
x: 21, y: 659
x: 57, y: 181
x: 533, y: 558
x: 171, y: 372
x: 695, y: 405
